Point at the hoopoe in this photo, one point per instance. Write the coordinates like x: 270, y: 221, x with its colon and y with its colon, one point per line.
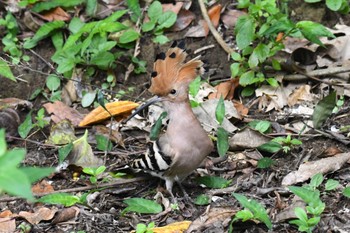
x: 185, y: 144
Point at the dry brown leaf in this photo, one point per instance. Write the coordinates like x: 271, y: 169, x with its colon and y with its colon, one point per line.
x: 184, y: 18
x: 216, y: 217
x: 225, y: 89
x: 241, y: 109
x: 61, y: 112
x: 202, y: 29
x: 55, y: 14
x: 115, y: 136
x: 42, y: 187
x: 271, y: 97
x: 307, y: 170
x: 66, y: 214
x: 119, y: 108
x: 229, y: 18
x: 171, y: 7
x: 302, y: 93
x: 239, y: 140
x: 176, y: 227
x: 7, y: 224
x: 15, y: 103
x: 39, y: 215
x: 331, y: 151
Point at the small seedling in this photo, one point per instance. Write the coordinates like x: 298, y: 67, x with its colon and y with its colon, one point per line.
x: 287, y: 143
x: 94, y: 172
x: 28, y: 124
x: 142, y: 228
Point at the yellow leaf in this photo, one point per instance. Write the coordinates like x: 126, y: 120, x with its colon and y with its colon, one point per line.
x: 119, y: 108
x: 176, y: 227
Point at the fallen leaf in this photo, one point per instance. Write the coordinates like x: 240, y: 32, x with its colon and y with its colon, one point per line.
x: 118, y: 108
x: 219, y: 216
x: 82, y: 154
x: 225, y: 89
x: 300, y: 94
x: 7, y: 224
x: 239, y: 140
x: 39, y: 215
x: 66, y: 214
x: 55, y: 14
x: 241, y: 109
x: 62, y: 133
x: 230, y: 16
x: 42, y: 187
x: 202, y: 29
x: 61, y: 112
x: 309, y: 169
x: 115, y: 136
x: 184, y: 18
x: 15, y: 103
x: 271, y: 97
x: 176, y: 227
x: 172, y: 7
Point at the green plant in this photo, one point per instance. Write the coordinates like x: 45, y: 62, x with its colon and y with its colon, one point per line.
x: 158, y: 22
x: 14, y: 179
x: 142, y: 228
x: 256, y: 37
x: 308, y: 219
x: 94, y: 172
x: 341, y: 6
x: 253, y: 210
x: 28, y: 125
x: 280, y: 143
x: 222, y: 134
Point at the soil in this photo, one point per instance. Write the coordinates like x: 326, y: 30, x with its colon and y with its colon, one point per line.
x: 264, y: 185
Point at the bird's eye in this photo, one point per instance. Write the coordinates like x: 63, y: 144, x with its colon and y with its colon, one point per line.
x: 173, y: 92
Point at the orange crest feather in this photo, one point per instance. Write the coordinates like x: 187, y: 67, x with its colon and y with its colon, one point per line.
x: 170, y: 68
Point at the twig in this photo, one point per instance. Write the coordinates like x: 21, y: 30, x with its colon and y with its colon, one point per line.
x: 89, y: 187
x: 204, y: 48
x: 212, y: 29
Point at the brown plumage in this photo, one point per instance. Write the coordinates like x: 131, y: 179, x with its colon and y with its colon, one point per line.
x: 185, y: 144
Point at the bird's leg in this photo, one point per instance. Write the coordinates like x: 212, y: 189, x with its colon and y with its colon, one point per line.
x: 187, y: 198
x: 169, y: 187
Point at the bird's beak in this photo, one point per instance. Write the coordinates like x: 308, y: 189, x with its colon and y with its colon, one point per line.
x: 149, y: 102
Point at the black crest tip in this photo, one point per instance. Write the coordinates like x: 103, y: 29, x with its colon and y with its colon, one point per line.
x: 181, y: 45
x: 154, y: 74
x: 160, y: 56
x: 173, y: 55
x: 174, y: 44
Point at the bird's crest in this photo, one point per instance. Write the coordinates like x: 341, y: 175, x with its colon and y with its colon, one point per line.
x: 170, y: 68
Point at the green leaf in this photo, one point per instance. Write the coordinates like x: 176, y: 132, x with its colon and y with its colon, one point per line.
x: 220, y: 111
x: 148, y: 26
x: 13, y: 180
x: 129, y: 36
x: 276, y: 64
x: 43, y: 32
x: 334, y: 5
x: 301, y: 214
x: 142, y: 206
x: 312, y: 1
x: 155, y: 130
x: 166, y: 20
x: 160, y: 39
x: 75, y: 25
x: 312, y: 31
x: 215, y: 182
x: 248, y: 91
x: 271, y: 147
x: 44, y: 6
x: 307, y: 195
x: 236, y: 56
x: 202, y: 199
x: 247, y: 78
x: 91, y: 7
x: 255, y: 207
x: 323, y: 110
x: 346, y: 192
x: 6, y: 71
x: 64, y: 151
x: 88, y: 99
x: 103, y: 143
x: 235, y: 68
x: 265, y: 162
x: 316, y: 180
x: 3, y: 145
x: 194, y: 86
x: 53, y: 82
x: 259, y: 55
x: 65, y: 199
x: 26, y: 126
x: 244, y: 29
x: 222, y: 141
x: 135, y: 8
x: 155, y: 10
x: 331, y: 184
x: 37, y: 173
x: 261, y: 126
x: 244, y: 215
x: 272, y: 81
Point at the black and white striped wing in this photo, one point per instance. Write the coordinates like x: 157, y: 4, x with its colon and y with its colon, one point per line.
x: 154, y: 161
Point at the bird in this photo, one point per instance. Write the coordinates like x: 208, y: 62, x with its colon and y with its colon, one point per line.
x: 185, y: 144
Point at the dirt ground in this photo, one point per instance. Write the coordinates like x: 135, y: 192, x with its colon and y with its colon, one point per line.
x: 264, y: 185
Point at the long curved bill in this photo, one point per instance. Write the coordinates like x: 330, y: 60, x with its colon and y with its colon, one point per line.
x: 149, y: 102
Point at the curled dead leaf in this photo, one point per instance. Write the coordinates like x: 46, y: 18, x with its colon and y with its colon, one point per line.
x: 118, y: 108
x: 39, y: 215
x: 176, y: 227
